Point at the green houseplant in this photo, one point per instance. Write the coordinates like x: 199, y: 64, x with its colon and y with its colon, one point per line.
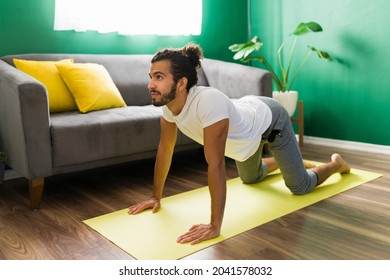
x: 2, y: 165
x: 285, y: 76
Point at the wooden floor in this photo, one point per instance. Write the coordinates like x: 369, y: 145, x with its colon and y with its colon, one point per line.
x: 351, y: 225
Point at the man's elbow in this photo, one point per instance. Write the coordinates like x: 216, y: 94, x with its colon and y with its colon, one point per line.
x: 216, y: 163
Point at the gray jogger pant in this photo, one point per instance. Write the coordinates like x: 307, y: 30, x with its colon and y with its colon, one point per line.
x: 284, y: 147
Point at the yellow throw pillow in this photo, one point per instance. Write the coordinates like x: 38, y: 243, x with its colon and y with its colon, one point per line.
x: 91, y: 86
x: 60, y: 98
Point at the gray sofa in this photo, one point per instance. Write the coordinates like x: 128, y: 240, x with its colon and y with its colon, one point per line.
x: 39, y: 144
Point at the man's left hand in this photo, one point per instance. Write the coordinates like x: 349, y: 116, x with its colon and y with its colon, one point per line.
x: 199, y: 233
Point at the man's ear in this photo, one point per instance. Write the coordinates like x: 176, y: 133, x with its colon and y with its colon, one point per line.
x: 182, y: 84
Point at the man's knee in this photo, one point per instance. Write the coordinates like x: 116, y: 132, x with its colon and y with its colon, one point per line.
x: 248, y: 180
x: 254, y: 177
x: 307, y: 185
x: 299, y: 191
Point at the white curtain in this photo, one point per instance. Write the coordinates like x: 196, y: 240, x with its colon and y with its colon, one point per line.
x: 130, y: 17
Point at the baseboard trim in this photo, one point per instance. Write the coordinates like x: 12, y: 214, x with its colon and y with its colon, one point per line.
x: 11, y: 174
x: 348, y: 145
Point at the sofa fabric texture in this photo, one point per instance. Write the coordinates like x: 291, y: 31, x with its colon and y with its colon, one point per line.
x: 39, y: 143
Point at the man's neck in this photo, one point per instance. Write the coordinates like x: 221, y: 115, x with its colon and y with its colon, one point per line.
x: 177, y: 104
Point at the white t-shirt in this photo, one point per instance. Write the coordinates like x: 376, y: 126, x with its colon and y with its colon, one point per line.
x: 248, y: 116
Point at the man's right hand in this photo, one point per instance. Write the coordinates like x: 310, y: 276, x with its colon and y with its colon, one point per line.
x: 152, y: 203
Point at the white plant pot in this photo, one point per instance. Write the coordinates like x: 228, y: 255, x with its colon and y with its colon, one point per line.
x: 288, y: 99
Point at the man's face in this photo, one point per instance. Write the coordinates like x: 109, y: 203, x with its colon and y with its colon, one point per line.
x: 162, y: 88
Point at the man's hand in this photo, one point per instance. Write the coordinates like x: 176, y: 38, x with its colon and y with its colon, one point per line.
x: 152, y: 203
x: 199, y: 233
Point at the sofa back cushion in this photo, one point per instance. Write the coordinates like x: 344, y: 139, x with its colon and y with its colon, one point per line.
x: 129, y: 72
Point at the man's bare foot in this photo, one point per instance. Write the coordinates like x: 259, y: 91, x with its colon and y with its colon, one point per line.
x: 308, y: 164
x: 343, y: 165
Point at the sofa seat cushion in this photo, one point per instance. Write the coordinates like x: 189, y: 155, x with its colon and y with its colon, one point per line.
x: 79, y: 138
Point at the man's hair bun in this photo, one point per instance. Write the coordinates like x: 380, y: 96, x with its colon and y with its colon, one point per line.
x: 194, y: 53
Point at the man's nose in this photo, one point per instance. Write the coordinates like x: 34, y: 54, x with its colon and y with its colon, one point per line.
x: 151, y: 85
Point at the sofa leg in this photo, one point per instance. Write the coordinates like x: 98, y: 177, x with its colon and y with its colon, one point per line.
x: 36, y: 190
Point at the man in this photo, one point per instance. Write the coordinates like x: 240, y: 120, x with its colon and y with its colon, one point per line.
x: 234, y: 128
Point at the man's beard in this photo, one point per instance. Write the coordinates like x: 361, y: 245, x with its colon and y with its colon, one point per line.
x: 165, y: 98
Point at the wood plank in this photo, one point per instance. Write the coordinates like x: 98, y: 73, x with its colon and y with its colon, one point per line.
x: 351, y: 225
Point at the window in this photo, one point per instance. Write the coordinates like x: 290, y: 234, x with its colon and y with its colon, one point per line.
x: 130, y: 17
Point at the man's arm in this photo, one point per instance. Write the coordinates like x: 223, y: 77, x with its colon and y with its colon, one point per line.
x: 214, y: 147
x: 164, y: 156
x: 163, y: 162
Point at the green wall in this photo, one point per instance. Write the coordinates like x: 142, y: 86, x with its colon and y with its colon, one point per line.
x: 349, y: 98
x: 27, y: 26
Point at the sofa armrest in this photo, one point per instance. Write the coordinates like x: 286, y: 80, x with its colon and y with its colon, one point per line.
x: 237, y: 80
x: 24, y: 123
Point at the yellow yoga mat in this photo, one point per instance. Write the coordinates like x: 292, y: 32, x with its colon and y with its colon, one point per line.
x: 150, y: 236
